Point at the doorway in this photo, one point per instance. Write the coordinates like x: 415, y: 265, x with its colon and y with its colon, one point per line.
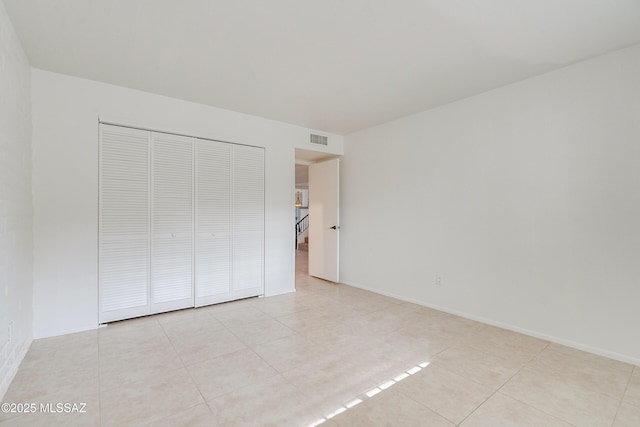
x: 316, y: 243
x: 301, y: 237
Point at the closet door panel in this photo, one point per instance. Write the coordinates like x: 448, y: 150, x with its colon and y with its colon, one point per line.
x: 123, y: 223
x: 213, y: 222
x: 171, y: 222
x: 248, y: 221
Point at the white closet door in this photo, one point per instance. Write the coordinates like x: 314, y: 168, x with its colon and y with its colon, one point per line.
x: 213, y: 223
x: 171, y: 222
x: 123, y: 223
x: 248, y: 221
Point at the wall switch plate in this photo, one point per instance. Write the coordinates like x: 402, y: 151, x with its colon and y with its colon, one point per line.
x: 438, y: 280
x: 10, y: 332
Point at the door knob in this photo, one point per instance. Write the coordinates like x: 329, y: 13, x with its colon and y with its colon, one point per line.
x: 335, y: 227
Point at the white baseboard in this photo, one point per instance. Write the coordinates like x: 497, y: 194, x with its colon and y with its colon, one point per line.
x: 552, y: 338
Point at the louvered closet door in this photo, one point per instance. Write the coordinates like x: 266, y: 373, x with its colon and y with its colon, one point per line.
x: 213, y: 222
x: 171, y: 222
x: 123, y: 223
x: 248, y: 221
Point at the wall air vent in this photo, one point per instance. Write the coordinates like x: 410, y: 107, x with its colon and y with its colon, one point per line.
x: 318, y: 139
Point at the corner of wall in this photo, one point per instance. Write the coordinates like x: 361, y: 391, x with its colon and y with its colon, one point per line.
x: 16, y: 215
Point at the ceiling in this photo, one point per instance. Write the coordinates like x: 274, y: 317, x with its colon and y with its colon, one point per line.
x: 332, y: 65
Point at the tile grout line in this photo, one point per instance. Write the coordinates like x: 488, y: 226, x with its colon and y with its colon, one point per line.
x: 623, y: 395
x: 432, y: 357
x: 186, y: 368
x: 505, y: 383
x: 174, y: 370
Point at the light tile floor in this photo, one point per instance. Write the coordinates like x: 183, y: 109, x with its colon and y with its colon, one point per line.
x: 329, y: 354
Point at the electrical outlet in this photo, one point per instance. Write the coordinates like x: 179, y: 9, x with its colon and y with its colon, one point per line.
x: 10, y: 332
x: 438, y: 280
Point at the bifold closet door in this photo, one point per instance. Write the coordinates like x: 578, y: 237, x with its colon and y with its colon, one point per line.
x: 229, y: 222
x: 213, y: 222
x: 247, y: 221
x: 181, y: 222
x: 171, y: 284
x: 123, y: 223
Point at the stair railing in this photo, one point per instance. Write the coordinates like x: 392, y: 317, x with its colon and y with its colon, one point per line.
x: 301, y: 226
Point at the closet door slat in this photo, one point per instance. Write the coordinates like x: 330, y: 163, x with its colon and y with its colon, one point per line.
x: 171, y: 222
x: 213, y: 222
x: 123, y: 223
x: 248, y: 221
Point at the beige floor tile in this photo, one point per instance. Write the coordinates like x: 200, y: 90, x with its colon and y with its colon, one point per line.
x: 239, y: 315
x: 365, y: 303
x: 324, y: 423
x: 288, y: 353
x: 282, y: 305
x: 69, y: 388
x: 379, y: 367
x: 272, y: 402
x: 346, y: 311
x: 390, y: 409
x: 355, y: 416
x: 632, y: 395
x: 506, y: 344
x: 230, y: 372
x: 346, y: 332
x: 448, y: 325
x: 564, y: 399
x: 334, y: 383
x: 90, y: 418
x: 130, y: 336
x: 393, y: 319
x: 186, y: 315
x: 198, y: 347
x: 62, y: 354
x: 45, y: 346
x: 196, y: 416
x: 147, y: 401
x: 334, y: 380
x: 260, y: 332
x: 628, y: 416
x: 61, y: 385
x: 485, y: 369
x: 408, y: 346
x: 131, y: 329
x: 231, y: 305
x: 450, y: 395
x: 133, y: 347
x: 188, y: 322
x: 309, y: 320
x: 139, y: 364
x: 598, y: 373
x: 332, y: 354
x: 503, y: 411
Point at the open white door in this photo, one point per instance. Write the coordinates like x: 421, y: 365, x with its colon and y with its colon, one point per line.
x: 324, y: 219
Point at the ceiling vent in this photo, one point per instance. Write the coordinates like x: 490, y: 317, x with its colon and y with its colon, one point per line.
x: 318, y: 139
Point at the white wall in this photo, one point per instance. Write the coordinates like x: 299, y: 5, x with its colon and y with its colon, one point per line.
x: 65, y: 185
x: 526, y: 199
x: 16, y: 211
